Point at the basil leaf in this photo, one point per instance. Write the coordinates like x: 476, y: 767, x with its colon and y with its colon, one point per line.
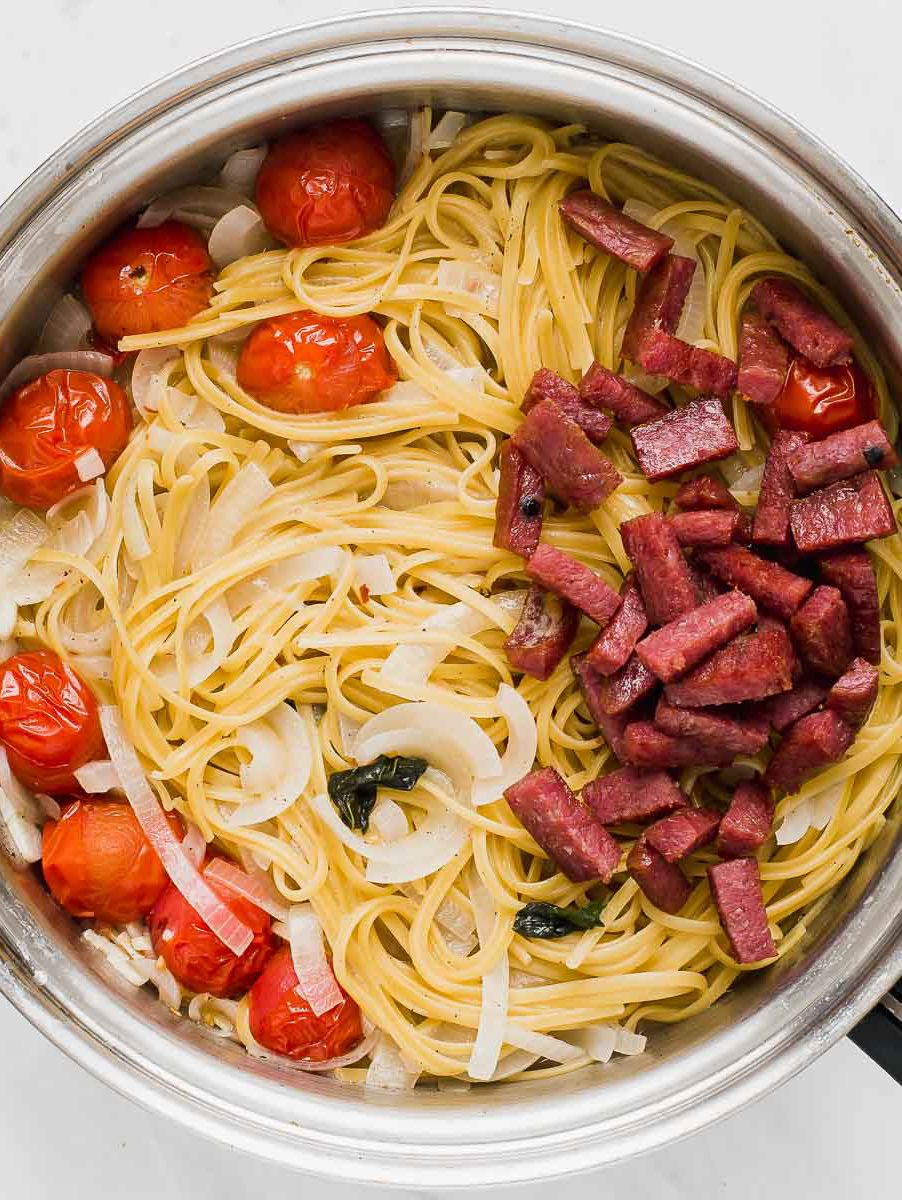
x: 353, y: 792
x: 540, y: 920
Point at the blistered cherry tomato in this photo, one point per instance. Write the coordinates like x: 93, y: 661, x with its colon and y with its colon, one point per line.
x: 98, y: 863
x: 144, y: 280
x: 49, y: 722
x: 193, y: 952
x: 329, y: 183
x: 48, y: 423
x: 305, y: 363
x: 282, y: 1020
x: 823, y: 400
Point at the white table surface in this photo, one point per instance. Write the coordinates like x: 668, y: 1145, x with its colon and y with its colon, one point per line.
x: 834, y: 66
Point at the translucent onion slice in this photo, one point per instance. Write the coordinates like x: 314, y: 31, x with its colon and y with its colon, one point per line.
x: 630, y: 1043
x: 457, y: 276
x: 794, y: 826
x: 20, y: 536
x: 9, y: 646
x: 17, y: 794
x: 66, y: 328
x: 513, y: 1064
x: 195, y: 846
x: 240, y: 170
x: 94, y: 666
x: 287, y: 573
x: 9, y: 614
x: 199, y: 207
x: 388, y: 1070
x: 316, y: 982
x: 375, y: 574
x: 297, y: 763
x: 88, y: 464
x: 443, y: 736
x: 413, y: 664
x: 19, y: 833
x: 208, y: 648
x: 147, y: 385
x: 445, y: 132
x: 303, y: 451
x: 98, y: 777
x: 495, y: 989
x: 258, y: 891
x: 235, y: 235
x: 824, y: 807
x: 522, y: 745
x: 401, y: 495
x: 542, y: 1044
x: 222, y: 921
x: 418, y: 145
x: 598, y: 1041
x: 388, y: 820
x: 30, y: 368
x: 237, y: 502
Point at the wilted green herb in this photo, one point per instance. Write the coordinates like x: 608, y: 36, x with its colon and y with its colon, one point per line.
x: 354, y: 792
x: 540, y: 920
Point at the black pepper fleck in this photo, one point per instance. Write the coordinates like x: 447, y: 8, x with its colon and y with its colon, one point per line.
x: 530, y: 507
x: 873, y: 455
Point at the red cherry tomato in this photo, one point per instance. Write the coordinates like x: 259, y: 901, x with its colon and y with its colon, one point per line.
x: 98, y: 863
x: 144, y: 280
x: 282, y: 1020
x: 48, y: 721
x: 196, y: 956
x: 329, y: 183
x: 823, y: 400
x: 305, y: 363
x: 48, y: 423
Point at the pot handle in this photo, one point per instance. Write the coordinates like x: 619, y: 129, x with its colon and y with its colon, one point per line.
x: 879, y: 1034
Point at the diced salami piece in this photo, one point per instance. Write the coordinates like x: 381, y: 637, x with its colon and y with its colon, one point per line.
x: 747, y: 823
x: 743, y: 532
x: 734, y: 734
x: 543, y: 634
x: 574, y: 581
x: 611, y: 727
x: 751, y: 667
x: 668, y: 589
x: 683, y: 832
x: 822, y: 631
x: 629, y: 795
x: 707, y: 491
x: 854, y: 693
x: 763, y: 360
x: 784, y: 710
x: 659, y: 302
x: 771, y: 526
x: 662, y: 882
x: 663, y: 353
x: 714, y: 528
x: 677, y: 647
x: 611, y: 230
x: 841, y: 456
x: 618, y: 693
x: 565, y: 458
x: 684, y: 438
x: 802, y: 322
x: 736, y: 889
x: 770, y: 585
x: 546, y: 385
x: 853, y: 573
x: 856, y: 510
x: 644, y: 745
x: 706, y: 586
x: 629, y: 404
x: 521, y: 503
x: 565, y: 829
x: 617, y: 640
x: 814, y: 742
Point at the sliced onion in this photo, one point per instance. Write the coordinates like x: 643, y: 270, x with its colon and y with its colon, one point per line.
x: 375, y: 574
x: 541, y: 1044
x: 30, y: 368
x: 413, y: 664
x: 193, y: 527
x: 794, y: 826
x: 522, y: 745
x: 222, y: 921
x: 443, y: 736
x: 208, y: 648
x: 9, y: 614
x: 236, y: 235
x: 94, y: 666
x: 88, y: 464
x: 236, y: 503
x: 9, y: 646
x: 97, y: 509
x: 405, y: 494
x: 521, y: 979
x: 147, y: 385
x: 347, y: 734
x: 48, y: 806
x: 287, y: 573
x: 316, y: 982
x: 98, y: 777
x: 630, y: 1043
x: 418, y: 145
x: 653, y: 384
x: 598, y: 1041
x: 388, y: 1070
x: 513, y: 1064
x: 199, y: 207
x: 117, y: 958
x: 224, y: 1014
x: 297, y: 763
x: 20, y: 537
x: 748, y: 481
x: 195, y: 846
x: 388, y: 820
x: 16, y: 793
x: 303, y: 451
x: 240, y: 170
x: 825, y: 806
x: 19, y: 833
x: 455, y: 275
x: 257, y: 890
x: 495, y: 989
x: 66, y: 328
x: 446, y: 131
x: 194, y: 412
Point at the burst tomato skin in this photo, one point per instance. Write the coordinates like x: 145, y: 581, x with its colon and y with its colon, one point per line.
x: 47, y: 423
x: 49, y: 722
x: 282, y: 1021
x: 330, y: 183
x: 98, y: 863
x: 304, y: 363
x: 196, y: 956
x: 824, y: 400
x: 145, y: 280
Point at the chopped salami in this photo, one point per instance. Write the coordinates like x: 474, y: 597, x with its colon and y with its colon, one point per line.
x: 565, y: 829
x: 683, y: 832
x: 546, y: 385
x: 714, y: 528
x: 618, y: 693
x: 543, y: 634
x: 814, y: 742
x: 707, y: 491
x: 573, y: 581
x: 629, y: 404
x: 738, y: 735
x: 612, y: 727
x: 784, y: 710
x: 662, y: 353
x: 680, y: 645
x: 802, y: 322
x: 617, y: 640
x: 659, y: 302
x: 751, y: 667
x: 853, y: 573
x: 822, y: 631
x: 630, y: 795
x: 770, y: 585
x: 736, y: 889
x: 856, y: 510
x: 565, y: 458
x: 668, y: 589
x: 763, y: 360
x: 854, y: 693
x: 747, y: 823
x: 771, y: 525
x: 686, y: 437
x: 644, y: 745
x: 841, y: 456
x: 663, y: 883
x: 706, y: 586
x: 604, y: 226
x: 521, y: 504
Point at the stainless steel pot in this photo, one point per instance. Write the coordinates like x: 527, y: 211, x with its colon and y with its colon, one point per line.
x: 776, y: 1022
